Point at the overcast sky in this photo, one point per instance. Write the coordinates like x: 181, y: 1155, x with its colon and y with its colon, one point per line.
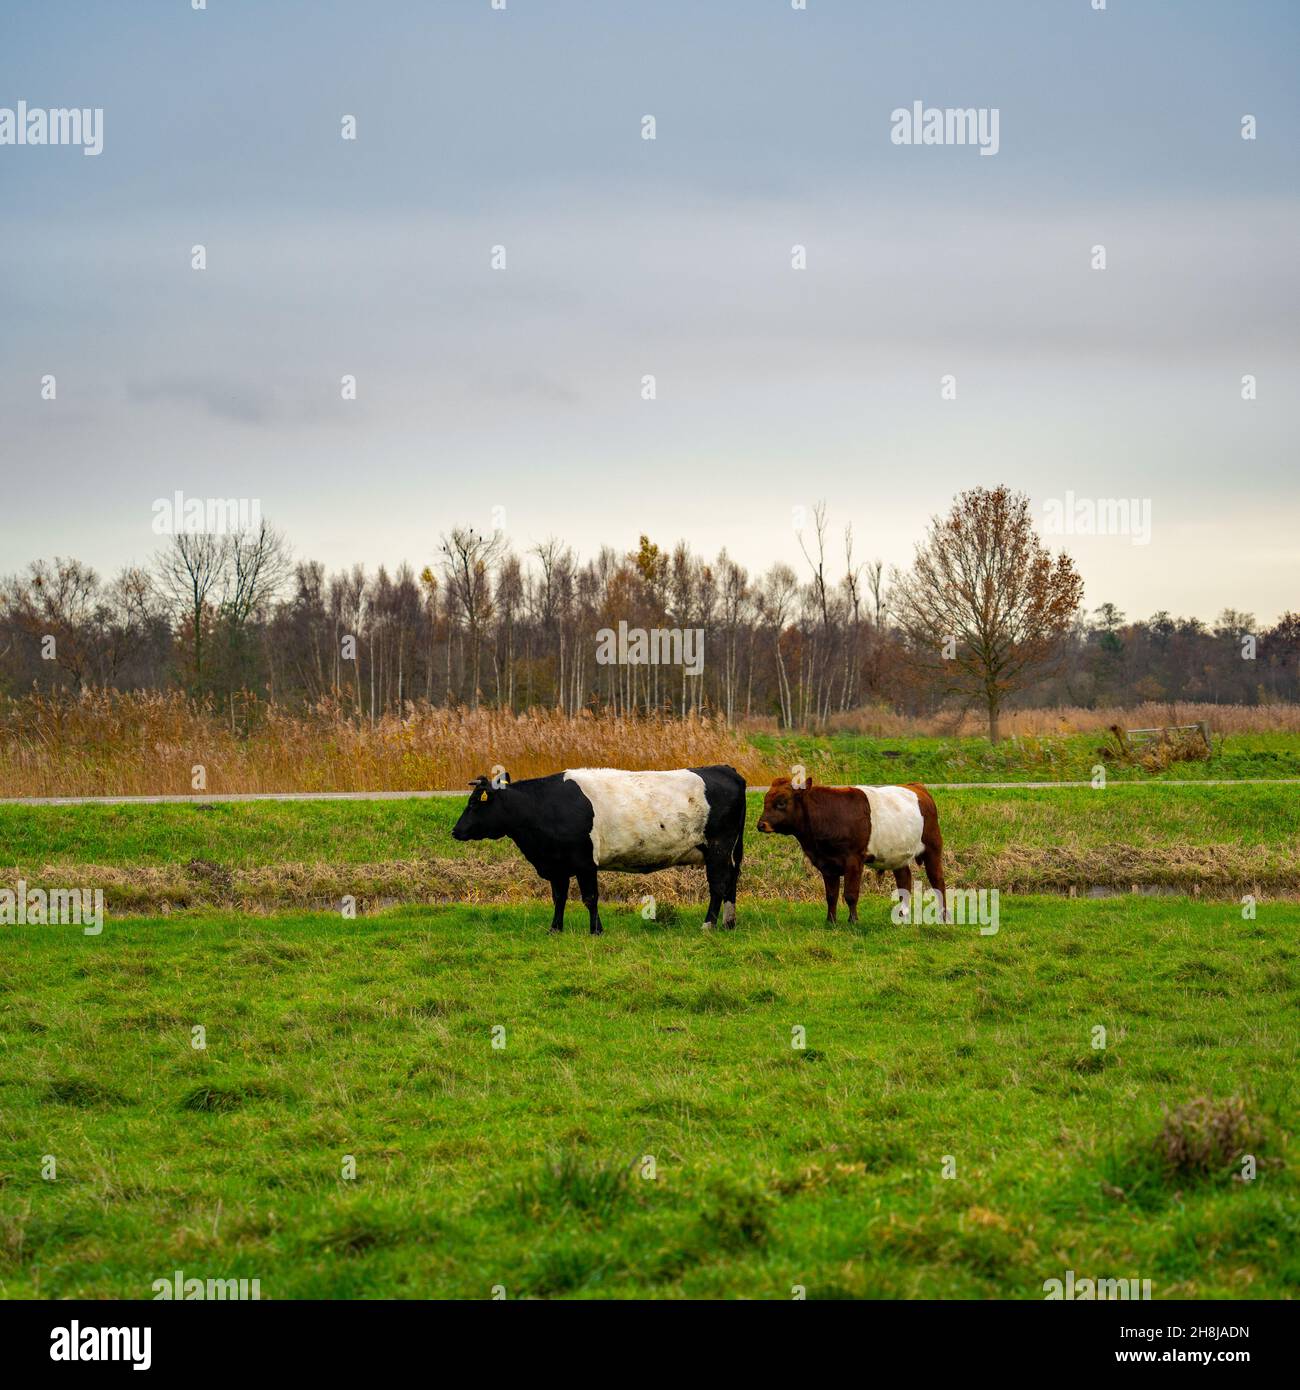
x: 521, y: 389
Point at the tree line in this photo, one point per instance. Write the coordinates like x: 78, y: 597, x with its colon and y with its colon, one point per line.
x: 986, y: 617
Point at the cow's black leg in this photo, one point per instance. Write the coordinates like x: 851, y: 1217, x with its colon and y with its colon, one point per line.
x: 559, y: 896
x: 852, y: 886
x: 733, y: 878
x: 590, y: 896
x: 717, y: 866
x: 832, y: 881
x: 715, y: 905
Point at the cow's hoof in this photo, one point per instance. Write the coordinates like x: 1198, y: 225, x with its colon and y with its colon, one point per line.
x: 708, y: 924
x: 555, y: 931
x: 598, y: 931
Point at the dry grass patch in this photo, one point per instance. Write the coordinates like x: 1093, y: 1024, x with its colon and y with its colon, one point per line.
x: 1215, y: 870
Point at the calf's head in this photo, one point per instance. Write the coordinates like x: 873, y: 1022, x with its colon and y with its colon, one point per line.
x: 782, y: 807
x: 485, y: 814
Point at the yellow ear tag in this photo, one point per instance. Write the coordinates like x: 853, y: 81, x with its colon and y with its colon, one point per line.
x: 482, y: 796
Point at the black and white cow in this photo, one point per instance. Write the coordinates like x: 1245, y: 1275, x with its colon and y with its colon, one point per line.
x: 574, y: 823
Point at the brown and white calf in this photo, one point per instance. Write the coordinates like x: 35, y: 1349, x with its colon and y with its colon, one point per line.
x: 844, y: 830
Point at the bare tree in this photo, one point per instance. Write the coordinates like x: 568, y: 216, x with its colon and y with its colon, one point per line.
x: 852, y: 585
x: 986, y: 608
x: 553, y: 603
x: 734, y: 595
x: 468, y: 557
x: 259, y: 562
x: 58, y: 603
x: 776, y: 600
x: 819, y: 654
x: 131, y: 614
x: 346, y: 597
x: 190, y: 573
x: 509, y: 602
x: 876, y: 588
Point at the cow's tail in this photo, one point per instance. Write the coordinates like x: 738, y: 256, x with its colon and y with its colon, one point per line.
x: 738, y: 848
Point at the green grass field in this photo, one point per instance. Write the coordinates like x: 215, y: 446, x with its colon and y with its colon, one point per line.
x: 527, y: 1166
x: 845, y: 757
x: 1222, y: 840
x: 774, y: 1166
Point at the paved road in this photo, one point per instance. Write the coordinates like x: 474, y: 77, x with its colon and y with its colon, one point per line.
x: 418, y: 796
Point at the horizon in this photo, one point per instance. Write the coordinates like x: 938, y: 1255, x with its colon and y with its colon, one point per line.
x: 798, y: 562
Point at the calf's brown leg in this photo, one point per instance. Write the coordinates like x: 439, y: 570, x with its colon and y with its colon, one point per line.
x: 832, y: 882
x: 932, y: 860
x: 903, y: 878
x: 852, y: 886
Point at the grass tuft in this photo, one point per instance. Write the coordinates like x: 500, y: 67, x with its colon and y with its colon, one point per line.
x: 737, y: 1216
x: 219, y: 1100
x: 572, y: 1181
x: 1203, y: 1137
x: 82, y: 1092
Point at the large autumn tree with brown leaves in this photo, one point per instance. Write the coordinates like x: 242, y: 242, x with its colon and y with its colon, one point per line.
x: 986, y: 607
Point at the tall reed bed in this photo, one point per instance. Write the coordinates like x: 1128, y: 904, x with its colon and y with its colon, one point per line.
x: 104, y: 743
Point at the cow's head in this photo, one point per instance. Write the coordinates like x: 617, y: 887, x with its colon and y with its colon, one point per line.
x: 780, y: 813
x: 486, y: 812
